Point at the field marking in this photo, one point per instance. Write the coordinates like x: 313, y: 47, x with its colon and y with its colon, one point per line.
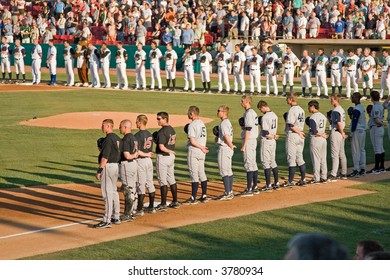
x: 47, y: 229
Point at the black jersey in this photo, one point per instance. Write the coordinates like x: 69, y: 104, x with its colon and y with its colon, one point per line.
x: 166, y: 136
x: 144, y: 141
x: 128, y: 145
x: 110, y: 149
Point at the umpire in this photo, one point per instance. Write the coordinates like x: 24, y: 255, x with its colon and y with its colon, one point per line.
x: 107, y: 173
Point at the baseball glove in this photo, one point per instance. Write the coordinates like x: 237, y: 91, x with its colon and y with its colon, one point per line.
x: 4, y: 48
x: 285, y: 116
x: 366, y: 78
x: 329, y: 114
x: 270, y: 60
x: 259, y: 120
x: 154, y: 54
x: 241, y: 121
x: 168, y: 56
x: 307, y: 121
x: 186, y: 128
x: 304, y: 60
x: 203, y: 59
x: 137, y: 56
x: 286, y: 58
x: 99, y: 143
x: 32, y: 50
x: 65, y: 52
x: 369, y: 109
x: 349, y: 111
x: 154, y: 135
x: 236, y: 58
x: 254, y: 59
x: 221, y: 56
x: 216, y: 130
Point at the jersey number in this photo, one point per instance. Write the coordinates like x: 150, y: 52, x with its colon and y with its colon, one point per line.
x: 301, y: 118
x: 321, y: 123
x: 203, y: 133
x: 148, y: 143
x: 172, y: 140
x: 273, y: 124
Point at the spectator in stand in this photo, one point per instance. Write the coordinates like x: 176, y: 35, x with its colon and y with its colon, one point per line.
x: 61, y: 25
x: 156, y: 34
x: 59, y: 9
x: 233, y: 25
x: 221, y: 14
x: 359, y: 29
x: 301, y: 25
x: 244, y: 25
x: 177, y: 36
x: 86, y: 32
x: 349, y: 26
x: 111, y: 32
x: 16, y: 32
x: 265, y: 27
x: 288, y: 22
x: 273, y: 30
x: 339, y: 27
x: 35, y: 32
x: 147, y: 15
x: 8, y: 30
x: 132, y: 28
x: 70, y: 25
x: 314, y: 25
x: 333, y: 15
x: 26, y: 31
x: 325, y: 16
x: 167, y: 36
x: 199, y: 32
x: 370, y: 25
x: 141, y: 33
x: 47, y: 36
x: 188, y: 36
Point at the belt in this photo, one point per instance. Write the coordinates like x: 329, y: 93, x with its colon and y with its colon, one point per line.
x: 164, y: 155
x: 375, y: 126
x: 319, y: 70
x: 336, y: 69
x: 287, y: 68
x: 351, y: 70
x: 142, y: 157
x: 129, y: 160
x: 221, y: 66
x: 187, y: 65
x: 255, y: 69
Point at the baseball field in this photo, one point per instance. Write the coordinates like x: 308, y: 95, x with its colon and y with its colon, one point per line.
x: 49, y: 196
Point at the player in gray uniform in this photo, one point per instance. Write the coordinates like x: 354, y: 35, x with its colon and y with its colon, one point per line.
x: 225, y: 149
x: 385, y: 77
x: 19, y: 55
x: 223, y: 59
x: 196, y: 155
x: 128, y: 170
x: 268, y: 138
x: 249, y: 144
x: 188, y: 60
x: 238, y: 69
x: 107, y: 173
x: 306, y: 64
x: 69, y: 63
x: 165, y: 163
x: 337, y: 139
x: 357, y: 136
x: 255, y: 62
x: 36, y: 56
x: 140, y: 60
x: 6, y: 52
x: 351, y: 62
x: 289, y: 62
x: 335, y: 71
x: 120, y: 59
x: 295, y: 140
x: 318, y: 144
x: 145, y: 165
x: 320, y: 63
x: 51, y: 63
x: 376, y: 123
x: 386, y: 105
x: 93, y: 59
x: 367, y: 64
x: 105, y: 57
x: 155, y: 56
x: 170, y: 57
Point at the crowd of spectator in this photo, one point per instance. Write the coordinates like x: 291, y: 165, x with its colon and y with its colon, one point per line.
x: 191, y: 22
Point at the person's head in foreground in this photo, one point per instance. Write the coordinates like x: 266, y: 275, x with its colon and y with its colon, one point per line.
x: 365, y: 247
x: 315, y: 246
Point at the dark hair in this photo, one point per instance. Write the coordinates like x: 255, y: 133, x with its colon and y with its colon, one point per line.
x: 314, y: 103
x: 375, y: 95
x: 370, y: 246
x: 378, y: 256
x: 163, y: 115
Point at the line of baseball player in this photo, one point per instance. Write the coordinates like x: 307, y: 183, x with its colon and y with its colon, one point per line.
x: 134, y: 152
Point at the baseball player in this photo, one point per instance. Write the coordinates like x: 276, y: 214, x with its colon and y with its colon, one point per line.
x: 170, y: 57
x: 165, y: 162
x: 128, y: 170
x: 289, y: 62
x: 69, y: 62
x: 188, y: 60
x: 140, y: 60
x: 105, y: 57
x: 271, y: 66
x: 155, y: 56
x: 225, y: 150
x: 337, y: 139
x: 19, y: 55
x: 306, y: 63
x: 268, y: 138
x: 93, y: 57
x: 367, y: 64
x: 145, y: 165
x: 357, y: 136
x: 107, y: 173
x: 255, y: 63
x: 238, y: 69
x: 295, y: 140
x: 320, y: 62
x: 223, y: 59
x: 385, y: 77
x: 36, y: 56
x: 51, y: 63
x: 318, y: 136
x: 335, y: 71
x: 205, y: 60
x: 121, y: 58
x: 6, y: 53
x: 376, y: 122
x: 351, y: 63
x: 249, y: 144
x: 196, y: 155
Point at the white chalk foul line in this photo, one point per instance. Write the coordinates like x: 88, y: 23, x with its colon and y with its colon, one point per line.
x: 47, y: 229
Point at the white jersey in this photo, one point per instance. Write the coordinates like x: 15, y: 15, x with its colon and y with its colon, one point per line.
x: 155, y: 56
x: 295, y: 118
x: 289, y: 64
x: 5, y: 51
x: 385, y: 62
x: 225, y: 129
x: 170, y: 56
x: 269, y: 124
x: 68, y: 53
x: 222, y: 59
x: 105, y: 56
x: 19, y: 52
x: 188, y: 60
x: 306, y: 62
x: 205, y: 60
x: 139, y: 56
x: 255, y: 62
x: 80, y: 59
x: 93, y: 55
x: 52, y: 53
x: 322, y: 62
x: 352, y: 62
x: 335, y: 62
x: 238, y: 58
x: 197, y: 131
x: 121, y: 56
x: 366, y: 62
x: 251, y: 123
x: 248, y: 51
x: 36, y: 52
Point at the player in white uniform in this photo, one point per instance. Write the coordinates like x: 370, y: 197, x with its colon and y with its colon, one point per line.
x: 255, y: 63
x: 5, y: 59
x: 140, y: 60
x: 69, y: 63
x: 306, y: 64
x: 93, y: 59
x: 105, y: 57
x: 238, y: 69
x: 335, y: 71
x: 289, y: 62
x: 320, y: 62
x: 19, y: 55
x: 205, y: 60
x: 155, y: 56
x: 196, y: 154
x: 51, y: 63
x: 188, y: 60
x: 385, y: 77
x: 36, y: 56
x: 271, y: 64
x: 351, y: 62
x: 170, y: 57
x: 367, y: 64
x: 120, y: 59
x: 223, y: 59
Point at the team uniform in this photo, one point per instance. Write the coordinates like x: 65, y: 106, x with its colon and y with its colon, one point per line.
x: 289, y: 61
x: 385, y: 78
x: 271, y: 60
x: 170, y: 67
x: 120, y: 60
x: 376, y: 134
x: 337, y: 142
x: 223, y: 77
x: 367, y: 80
x: 386, y: 105
x: 318, y: 144
x: 239, y: 58
x: 52, y: 64
x: 155, y: 56
x: 94, y: 66
x: 351, y: 63
x: 69, y: 62
x: 205, y: 60
x: 335, y: 73
x: 19, y: 55
x: 140, y: 59
x: 225, y: 156
x: 6, y: 53
x: 255, y: 63
x: 105, y: 57
x: 321, y: 62
x: 306, y: 64
x: 358, y: 140
x: 188, y: 60
x: 36, y: 56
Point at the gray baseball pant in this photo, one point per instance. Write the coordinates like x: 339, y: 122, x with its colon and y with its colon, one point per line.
x: 318, y: 157
x: 337, y: 152
x: 358, y: 148
x: 109, y: 192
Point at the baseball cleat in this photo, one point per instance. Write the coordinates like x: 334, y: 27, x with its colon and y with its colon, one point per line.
x: 167, y: 89
x: 150, y: 210
x: 276, y: 186
x: 139, y: 213
x: 203, y: 199
x: 246, y: 193
x: 266, y: 188
x: 343, y: 176
x: 324, y: 181
x: 362, y: 172
x: 223, y: 197
x: 255, y: 190
x: 115, y: 221
x: 313, y: 181
x: 161, y: 208
x: 332, y: 178
x: 124, y: 88
x: 127, y: 218
x: 288, y: 184
x: 374, y: 171
x: 190, y: 201
x: 174, y: 205
x: 354, y: 174
x: 102, y: 225
x: 301, y: 183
